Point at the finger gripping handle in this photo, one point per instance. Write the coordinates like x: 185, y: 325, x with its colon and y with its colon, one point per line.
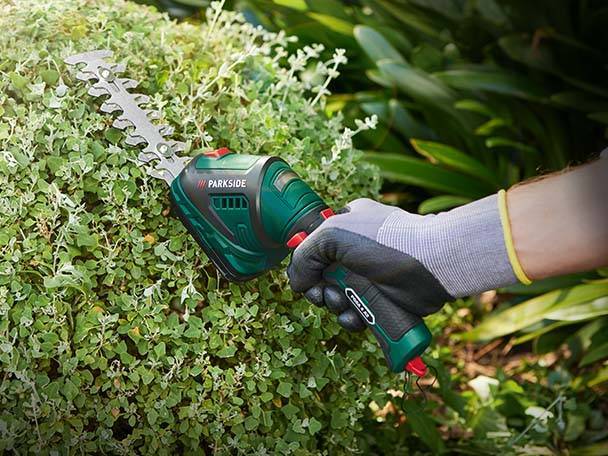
x: 401, y: 334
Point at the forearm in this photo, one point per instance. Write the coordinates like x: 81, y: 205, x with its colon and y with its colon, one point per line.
x: 559, y: 224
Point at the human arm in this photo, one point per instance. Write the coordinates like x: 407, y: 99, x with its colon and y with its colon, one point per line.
x: 559, y: 223
x: 548, y: 227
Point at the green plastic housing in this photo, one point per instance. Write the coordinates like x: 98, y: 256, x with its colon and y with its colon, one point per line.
x: 244, y: 228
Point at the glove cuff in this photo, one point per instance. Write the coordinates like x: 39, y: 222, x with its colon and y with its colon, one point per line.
x: 464, y: 248
x: 506, y: 229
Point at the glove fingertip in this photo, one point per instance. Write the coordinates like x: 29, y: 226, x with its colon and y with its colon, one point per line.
x: 351, y: 321
x: 315, y: 295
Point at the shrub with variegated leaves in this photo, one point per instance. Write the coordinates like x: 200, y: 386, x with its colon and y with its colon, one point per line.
x: 117, y: 335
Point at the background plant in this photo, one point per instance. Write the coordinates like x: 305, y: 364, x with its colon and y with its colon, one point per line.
x: 473, y: 96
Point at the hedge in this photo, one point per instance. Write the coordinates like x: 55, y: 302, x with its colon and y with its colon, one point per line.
x: 117, y: 335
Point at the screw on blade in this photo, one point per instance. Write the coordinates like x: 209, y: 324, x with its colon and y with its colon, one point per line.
x: 158, y: 151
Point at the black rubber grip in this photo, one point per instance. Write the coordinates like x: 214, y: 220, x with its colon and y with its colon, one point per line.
x: 393, y: 319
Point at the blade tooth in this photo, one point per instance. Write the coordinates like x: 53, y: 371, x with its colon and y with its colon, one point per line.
x: 141, y: 98
x: 177, y: 146
x: 166, y: 130
x: 161, y: 174
x: 128, y: 83
x: 121, y: 123
x: 97, y: 91
x: 118, y: 68
x: 146, y: 157
x: 152, y: 114
x: 86, y: 76
x: 133, y: 140
x: 87, y: 57
x: 109, y: 108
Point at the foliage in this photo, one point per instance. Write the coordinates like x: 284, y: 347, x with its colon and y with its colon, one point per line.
x: 473, y: 96
x: 503, y: 88
x: 116, y: 334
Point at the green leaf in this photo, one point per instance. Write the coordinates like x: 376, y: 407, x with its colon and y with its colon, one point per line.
x: 251, y: 423
x: 496, y: 81
x: 413, y: 171
x: 497, y: 141
x: 402, y: 121
x: 160, y: 350
x: 412, y: 18
x: 580, y: 101
x: 333, y: 23
x: 552, y: 305
x: 299, y: 5
x: 474, y: 106
x: 375, y: 45
x: 284, y: 389
x: 49, y: 76
x: 521, y: 48
x: 601, y: 117
x: 592, y: 309
x: 596, y: 449
x: 455, y: 159
x: 227, y: 352
x: 152, y: 416
x: 595, y: 354
x: 339, y: 419
x: 418, y: 85
x: 423, y: 425
x: 314, y: 426
x: 441, y: 203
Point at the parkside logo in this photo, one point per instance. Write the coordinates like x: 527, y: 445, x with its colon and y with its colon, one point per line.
x: 222, y: 183
x: 360, y: 306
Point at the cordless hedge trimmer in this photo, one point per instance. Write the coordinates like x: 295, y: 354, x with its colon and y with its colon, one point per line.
x: 247, y: 212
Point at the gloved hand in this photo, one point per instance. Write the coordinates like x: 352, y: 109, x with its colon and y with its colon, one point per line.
x: 418, y: 262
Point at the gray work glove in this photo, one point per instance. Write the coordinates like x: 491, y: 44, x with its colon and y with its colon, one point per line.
x: 418, y: 262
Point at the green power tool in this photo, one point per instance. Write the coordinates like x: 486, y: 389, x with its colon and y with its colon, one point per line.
x: 247, y: 212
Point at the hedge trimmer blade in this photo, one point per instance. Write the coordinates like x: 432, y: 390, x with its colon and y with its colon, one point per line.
x: 160, y: 151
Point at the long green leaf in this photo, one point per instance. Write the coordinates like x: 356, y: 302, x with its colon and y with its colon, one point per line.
x: 413, y: 171
x: 299, y: 5
x: 406, y: 124
x: 441, y: 203
x: 418, y: 85
x: 599, y: 377
x: 454, y: 158
x: 411, y: 19
x: 595, y: 354
x: 497, y: 81
x: 333, y: 23
x: 375, y: 45
x: 423, y: 425
x: 593, y: 309
x: 536, y: 309
x: 520, y: 48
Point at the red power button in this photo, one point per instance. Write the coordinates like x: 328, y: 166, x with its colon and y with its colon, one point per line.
x: 296, y: 239
x: 217, y: 153
x: 416, y: 366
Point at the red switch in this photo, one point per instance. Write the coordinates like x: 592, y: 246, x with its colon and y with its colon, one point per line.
x: 416, y: 366
x: 296, y: 239
x: 326, y: 213
x: 217, y: 153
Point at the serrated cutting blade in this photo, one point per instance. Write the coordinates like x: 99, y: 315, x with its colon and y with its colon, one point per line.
x: 159, y: 152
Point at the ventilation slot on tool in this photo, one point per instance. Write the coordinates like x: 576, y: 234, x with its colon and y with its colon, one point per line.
x: 227, y: 202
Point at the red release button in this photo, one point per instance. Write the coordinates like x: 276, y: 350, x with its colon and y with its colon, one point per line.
x: 326, y: 213
x: 217, y: 153
x: 296, y: 239
x: 416, y: 366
